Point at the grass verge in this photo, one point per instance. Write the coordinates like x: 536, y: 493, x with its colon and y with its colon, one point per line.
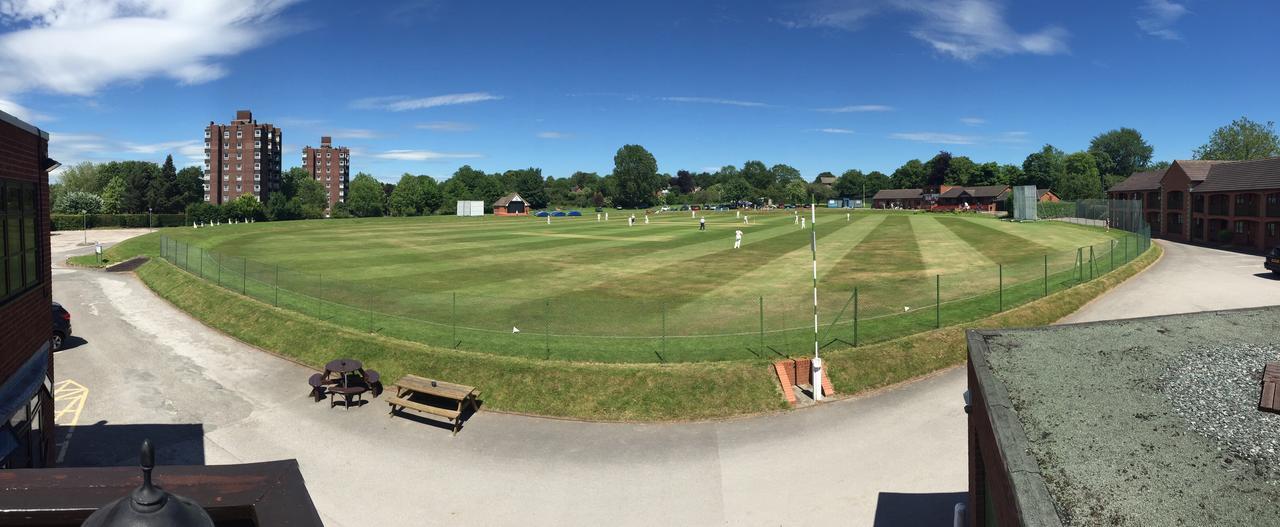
x: 606, y: 392
x: 146, y: 244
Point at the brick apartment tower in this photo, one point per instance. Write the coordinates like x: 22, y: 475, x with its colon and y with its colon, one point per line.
x: 330, y: 165
x: 241, y: 157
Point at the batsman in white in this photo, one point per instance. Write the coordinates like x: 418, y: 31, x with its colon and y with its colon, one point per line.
x: 737, y: 239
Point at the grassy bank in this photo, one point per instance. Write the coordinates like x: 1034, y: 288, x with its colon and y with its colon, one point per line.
x: 145, y: 245
x: 615, y: 392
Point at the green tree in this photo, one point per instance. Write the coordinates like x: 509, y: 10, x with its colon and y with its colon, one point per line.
x: 636, y: 173
x: 279, y: 208
x: 80, y: 177
x: 77, y: 203
x: 1080, y: 178
x: 785, y: 174
x: 876, y: 181
x: 138, y: 177
x: 366, y: 197
x: 312, y: 197
x: 113, y: 196
x: 849, y: 184
x: 736, y: 189
x: 190, y: 187
x: 162, y: 191
x: 530, y: 185
x: 1044, y: 169
x: 962, y: 171
x: 290, y: 179
x: 797, y: 192
x: 245, y: 207
x: 1120, y: 152
x: 1241, y: 140
x: 938, y: 169
x: 757, y: 174
x: 911, y: 174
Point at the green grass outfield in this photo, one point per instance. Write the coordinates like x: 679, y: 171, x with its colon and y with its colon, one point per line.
x: 582, y: 290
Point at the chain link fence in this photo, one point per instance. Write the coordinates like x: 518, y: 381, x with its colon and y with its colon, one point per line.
x: 681, y: 328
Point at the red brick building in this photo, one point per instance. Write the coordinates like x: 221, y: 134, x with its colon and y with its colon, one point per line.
x: 1233, y: 202
x: 241, y: 158
x: 330, y: 166
x: 26, y: 296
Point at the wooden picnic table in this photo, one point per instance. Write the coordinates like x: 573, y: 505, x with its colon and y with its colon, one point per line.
x: 411, y: 385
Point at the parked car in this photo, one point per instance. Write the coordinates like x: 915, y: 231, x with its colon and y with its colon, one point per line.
x: 61, y: 326
x: 1273, y: 261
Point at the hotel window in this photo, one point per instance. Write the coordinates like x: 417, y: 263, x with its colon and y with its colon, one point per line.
x: 257, y: 144
x: 206, y: 136
x: 1239, y: 227
x: 238, y: 166
x: 257, y: 166
x: 1271, y: 230
x: 239, y: 156
x: 239, y: 134
x: 257, y: 176
x: 257, y: 188
x: 257, y: 155
x: 257, y: 133
x: 226, y: 134
x: 224, y: 166
x: 328, y: 155
x: 224, y: 188
x: 206, y: 197
x: 20, y: 249
x: 239, y: 188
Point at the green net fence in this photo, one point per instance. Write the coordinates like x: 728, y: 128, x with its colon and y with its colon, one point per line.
x: 681, y: 328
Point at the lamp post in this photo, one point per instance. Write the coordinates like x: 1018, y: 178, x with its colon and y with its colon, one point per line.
x: 149, y: 228
x: 84, y: 217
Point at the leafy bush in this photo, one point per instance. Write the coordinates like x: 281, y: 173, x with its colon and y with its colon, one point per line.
x: 1055, y: 209
x: 77, y: 203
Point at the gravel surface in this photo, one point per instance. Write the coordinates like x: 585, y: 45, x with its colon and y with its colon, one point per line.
x: 1216, y: 390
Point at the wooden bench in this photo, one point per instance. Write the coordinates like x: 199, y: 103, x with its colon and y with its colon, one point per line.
x: 411, y: 385
x: 1270, y: 400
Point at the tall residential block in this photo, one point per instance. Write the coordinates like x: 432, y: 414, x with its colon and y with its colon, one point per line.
x: 242, y: 157
x: 330, y: 165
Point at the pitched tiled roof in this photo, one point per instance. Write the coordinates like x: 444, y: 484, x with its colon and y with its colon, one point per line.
x: 1261, y: 174
x: 506, y: 200
x: 898, y: 193
x: 986, y: 191
x: 1197, y: 169
x: 1149, y: 180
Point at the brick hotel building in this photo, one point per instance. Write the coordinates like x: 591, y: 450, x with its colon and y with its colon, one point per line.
x: 241, y: 158
x: 330, y: 165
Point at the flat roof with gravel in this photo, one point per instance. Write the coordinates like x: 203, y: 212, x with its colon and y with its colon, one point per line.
x: 1150, y: 421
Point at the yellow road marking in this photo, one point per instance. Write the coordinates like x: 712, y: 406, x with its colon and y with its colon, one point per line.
x: 68, y: 401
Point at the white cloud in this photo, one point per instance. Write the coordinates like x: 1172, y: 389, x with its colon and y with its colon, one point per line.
x: 421, y: 155
x: 22, y: 112
x: 400, y: 103
x: 79, y: 46
x: 935, y: 137
x: 858, y: 108
x: 834, y: 130
x: 1013, y: 137
x: 1159, y: 16
x: 446, y: 126
x: 354, y: 133
x: 183, y: 147
x: 713, y: 100
x: 554, y: 135
x: 973, y: 121
x: 964, y: 29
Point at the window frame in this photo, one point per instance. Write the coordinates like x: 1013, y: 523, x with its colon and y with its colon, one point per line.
x: 20, y: 258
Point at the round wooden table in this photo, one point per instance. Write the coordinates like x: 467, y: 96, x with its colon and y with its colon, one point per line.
x: 343, y: 366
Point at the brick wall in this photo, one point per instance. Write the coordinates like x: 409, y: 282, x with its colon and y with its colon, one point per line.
x: 26, y: 322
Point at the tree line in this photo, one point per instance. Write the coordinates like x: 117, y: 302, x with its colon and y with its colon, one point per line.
x: 139, y: 186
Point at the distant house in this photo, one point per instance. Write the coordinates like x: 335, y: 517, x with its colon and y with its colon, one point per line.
x: 898, y: 198
x: 1045, y: 195
x: 983, y: 198
x: 510, y: 205
x: 827, y: 181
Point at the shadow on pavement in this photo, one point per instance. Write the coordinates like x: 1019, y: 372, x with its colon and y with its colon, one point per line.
x: 72, y: 342
x: 1268, y: 276
x: 108, y: 445
x: 893, y: 508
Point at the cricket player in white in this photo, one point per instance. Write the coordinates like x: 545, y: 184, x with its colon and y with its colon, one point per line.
x: 737, y: 239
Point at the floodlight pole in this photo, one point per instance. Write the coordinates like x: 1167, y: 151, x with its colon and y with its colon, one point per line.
x: 813, y: 249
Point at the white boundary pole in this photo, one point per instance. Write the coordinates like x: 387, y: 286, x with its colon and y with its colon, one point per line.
x: 813, y: 247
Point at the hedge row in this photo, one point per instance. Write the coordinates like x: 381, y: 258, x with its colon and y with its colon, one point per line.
x: 75, y: 222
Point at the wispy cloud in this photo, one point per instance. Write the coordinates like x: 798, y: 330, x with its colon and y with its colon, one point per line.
x: 936, y: 138
x: 400, y: 103
x: 834, y: 130
x: 1158, y: 17
x: 858, y: 108
x: 446, y: 126
x: 973, y: 121
x: 553, y: 135
x: 22, y: 112
x: 190, y: 147
x: 354, y: 133
x: 422, y: 155
x: 79, y: 46
x: 1013, y: 137
x: 963, y: 29
x: 713, y: 100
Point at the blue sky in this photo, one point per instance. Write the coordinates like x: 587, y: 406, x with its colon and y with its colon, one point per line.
x: 427, y: 86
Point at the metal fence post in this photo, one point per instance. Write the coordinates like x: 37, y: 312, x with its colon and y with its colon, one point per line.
x: 855, y: 316
x: 320, y: 296
x: 1091, y: 260
x: 202, y: 263
x: 1046, y: 276
x: 454, y: 319
x: 546, y: 327
x: 1001, y: 286
x: 1126, y: 247
x: 1112, y: 255
x: 276, y: 285
x: 937, y: 302
x: 244, y: 274
x: 219, y: 269
x: 664, y: 328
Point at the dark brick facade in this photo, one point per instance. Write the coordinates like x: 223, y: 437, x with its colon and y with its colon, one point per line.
x: 26, y: 322
x: 331, y: 166
x: 241, y: 158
